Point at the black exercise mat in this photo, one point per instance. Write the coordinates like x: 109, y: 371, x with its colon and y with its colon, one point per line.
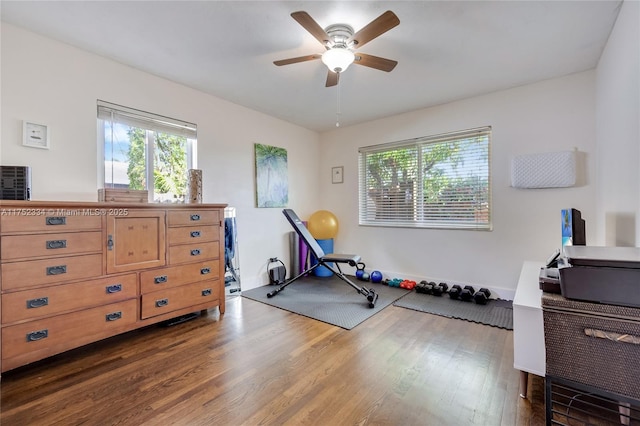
x: 496, y: 313
x: 327, y: 299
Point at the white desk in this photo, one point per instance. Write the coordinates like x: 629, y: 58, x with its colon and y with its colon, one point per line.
x: 528, y: 326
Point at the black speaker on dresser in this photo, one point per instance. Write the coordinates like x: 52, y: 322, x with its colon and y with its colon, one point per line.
x: 15, y: 183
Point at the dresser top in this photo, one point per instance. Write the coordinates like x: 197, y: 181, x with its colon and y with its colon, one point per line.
x: 10, y: 204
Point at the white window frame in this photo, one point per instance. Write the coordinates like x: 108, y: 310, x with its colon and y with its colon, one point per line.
x: 406, y: 206
x: 151, y: 123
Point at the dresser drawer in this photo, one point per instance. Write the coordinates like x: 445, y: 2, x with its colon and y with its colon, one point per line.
x: 23, y: 343
x: 193, y: 252
x: 41, y: 302
x: 53, y: 220
x: 193, y: 234
x: 160, y: 279
x: 172, y: 299
x: 34, y: 273
x: 41, y: 245
x: 193, y: 217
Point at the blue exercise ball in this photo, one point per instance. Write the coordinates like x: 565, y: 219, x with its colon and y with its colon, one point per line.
x: 376, y: 276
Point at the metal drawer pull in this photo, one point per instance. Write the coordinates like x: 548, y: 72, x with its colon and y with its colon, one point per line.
x: 113, y: 316
x: 110, y: 242
x: 37, y: 303
x: 205, y: 271
x: 114, y: 288
x: 162, y: 302
x: 195, y: 234
x: 206, y: 292
x: 56, y: 244
x: 161, y: 279
x: 195, y: 217
x: 57, y: 270
x: 195, y: 252
x: 37, y: 335
x: 56, y: 220
x: 614, y: 337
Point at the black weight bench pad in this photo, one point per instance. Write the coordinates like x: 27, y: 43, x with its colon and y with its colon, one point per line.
x: 351, y: 259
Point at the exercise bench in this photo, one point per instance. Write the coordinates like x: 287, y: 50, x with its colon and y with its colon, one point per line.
x: 323, y: 260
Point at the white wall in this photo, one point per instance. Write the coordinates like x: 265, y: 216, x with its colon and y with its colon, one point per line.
x: 54, y: 84
x: 549, y: 116
x: 618, y: 132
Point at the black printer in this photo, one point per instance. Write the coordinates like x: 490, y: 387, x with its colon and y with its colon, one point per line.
x: 608, y: 275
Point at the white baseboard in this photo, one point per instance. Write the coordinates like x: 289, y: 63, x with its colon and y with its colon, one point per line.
x: 496, y: 292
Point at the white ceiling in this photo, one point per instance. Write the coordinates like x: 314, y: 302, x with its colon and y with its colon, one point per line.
x: 446, y: 50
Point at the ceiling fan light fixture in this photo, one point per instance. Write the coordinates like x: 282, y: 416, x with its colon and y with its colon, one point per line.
x: 338, y: 59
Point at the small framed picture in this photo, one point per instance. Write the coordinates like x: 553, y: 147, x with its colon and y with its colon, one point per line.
x: 35, y: 135
x: 336, y: 174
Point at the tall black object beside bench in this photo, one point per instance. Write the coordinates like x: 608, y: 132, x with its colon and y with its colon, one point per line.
x: 323, y: 260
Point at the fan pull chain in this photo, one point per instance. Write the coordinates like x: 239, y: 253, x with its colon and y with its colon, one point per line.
x: 338, y: 106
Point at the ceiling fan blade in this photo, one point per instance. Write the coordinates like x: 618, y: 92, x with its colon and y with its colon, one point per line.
x: 332, y: 79
x: 376, y: 62
x: 311, y: 26
x: 378, y: 26
x: 296, y: 60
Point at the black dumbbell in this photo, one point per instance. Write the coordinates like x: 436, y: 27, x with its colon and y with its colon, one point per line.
x: 482, y: 296
x: 423, y: 287
x: 429, y: 287
x: 438, y: 290
x: 467, y: 293
x: 455, y: 291
x: 445, y: 287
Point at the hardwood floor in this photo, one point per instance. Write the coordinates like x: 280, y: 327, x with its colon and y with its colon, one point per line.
x: 262, y: 365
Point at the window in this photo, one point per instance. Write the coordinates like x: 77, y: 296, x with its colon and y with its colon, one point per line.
x: 146, y: 151
x: 438, y: 181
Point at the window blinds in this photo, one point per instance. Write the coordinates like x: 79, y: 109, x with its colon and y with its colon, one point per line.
x: 440, y: 181
x: 145, y: 120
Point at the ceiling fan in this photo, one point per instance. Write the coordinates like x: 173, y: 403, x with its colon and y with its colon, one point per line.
x: 341, y: 42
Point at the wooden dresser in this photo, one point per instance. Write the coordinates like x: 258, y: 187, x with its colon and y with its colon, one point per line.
x: 75, y: 273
